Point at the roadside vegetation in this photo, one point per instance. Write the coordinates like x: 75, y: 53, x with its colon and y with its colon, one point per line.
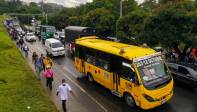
x: 20, y: 91
x: 170, y: 24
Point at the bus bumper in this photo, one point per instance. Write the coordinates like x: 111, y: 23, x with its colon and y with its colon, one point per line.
x: 144, y: 104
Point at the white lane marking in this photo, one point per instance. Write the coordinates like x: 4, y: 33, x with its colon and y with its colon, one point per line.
x: 83, y: 90
x: 69, y: 71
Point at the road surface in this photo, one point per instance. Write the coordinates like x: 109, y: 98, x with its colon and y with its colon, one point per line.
x: 98, y: 99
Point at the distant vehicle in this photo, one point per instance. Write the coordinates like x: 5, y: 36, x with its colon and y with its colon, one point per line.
x: 134, y: 73
x: 184, y: 73
x: 37, y: 30
x: 47, y: 32
x: 54, y: 47
x: 60, y: 36
x: 74, y: 32
x: 30, y: 37
x: 19, y: 30
x: 114, y: 39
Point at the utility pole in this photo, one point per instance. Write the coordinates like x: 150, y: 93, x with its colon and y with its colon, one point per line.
x: 121, y: 8
x: 46, y: 18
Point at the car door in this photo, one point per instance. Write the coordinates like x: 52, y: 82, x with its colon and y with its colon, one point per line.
x: 184, y: 75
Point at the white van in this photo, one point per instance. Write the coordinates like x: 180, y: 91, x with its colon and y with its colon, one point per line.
x: 54, y: 47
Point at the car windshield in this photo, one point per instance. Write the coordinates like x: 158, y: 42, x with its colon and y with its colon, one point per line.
x: 30, y: 34
x: 50, y: 29
x: 57, y: 44
x: 153, y: 72
x: 61, y: 34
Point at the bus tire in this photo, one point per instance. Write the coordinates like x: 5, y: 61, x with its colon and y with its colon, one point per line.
x: 90, y: 78
x: 129, y: 100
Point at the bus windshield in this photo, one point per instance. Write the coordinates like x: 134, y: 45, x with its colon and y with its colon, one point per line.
x: 153, y: 72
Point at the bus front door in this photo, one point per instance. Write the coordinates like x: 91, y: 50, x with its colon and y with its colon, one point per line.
x: 116, y: 83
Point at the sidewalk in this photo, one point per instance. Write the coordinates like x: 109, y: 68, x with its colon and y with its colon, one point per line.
x: 81, y: 102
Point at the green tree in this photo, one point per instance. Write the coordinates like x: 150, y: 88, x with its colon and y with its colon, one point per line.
x: 173, y: 26
x: 101, y: 19
x: 131, y: 25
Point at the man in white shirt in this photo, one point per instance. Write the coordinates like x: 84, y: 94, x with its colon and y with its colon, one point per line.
x: 63, y: 90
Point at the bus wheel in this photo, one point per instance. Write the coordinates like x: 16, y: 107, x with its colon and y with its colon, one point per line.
x: 90, y: 78
x: 129, y: 100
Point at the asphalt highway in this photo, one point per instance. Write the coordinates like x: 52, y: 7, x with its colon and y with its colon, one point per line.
x: 100, y: 99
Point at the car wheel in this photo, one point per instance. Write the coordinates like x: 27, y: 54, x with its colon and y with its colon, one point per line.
x: 129, y: 100
x: 90, y: 78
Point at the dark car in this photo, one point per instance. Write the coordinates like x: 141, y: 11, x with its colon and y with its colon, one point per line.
x: 186, y: 74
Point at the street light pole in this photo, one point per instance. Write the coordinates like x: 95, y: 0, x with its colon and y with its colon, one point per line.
x: 121, y: 8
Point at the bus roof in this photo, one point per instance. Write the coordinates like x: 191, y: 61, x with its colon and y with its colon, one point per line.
x: 124, y: 50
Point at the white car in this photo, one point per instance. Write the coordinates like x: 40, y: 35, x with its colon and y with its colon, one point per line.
x: 30, y: 37
x: 54, y: 47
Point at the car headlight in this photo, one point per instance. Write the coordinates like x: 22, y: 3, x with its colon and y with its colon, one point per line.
x: 149, y: 98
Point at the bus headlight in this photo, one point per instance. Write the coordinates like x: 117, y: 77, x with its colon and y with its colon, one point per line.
x: 149, y: 98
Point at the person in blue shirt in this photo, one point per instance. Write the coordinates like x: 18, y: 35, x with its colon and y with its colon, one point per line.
x: 38, y: 65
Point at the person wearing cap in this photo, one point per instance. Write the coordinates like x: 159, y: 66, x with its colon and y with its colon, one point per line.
x: 64, y: 90
x: 49, y: 77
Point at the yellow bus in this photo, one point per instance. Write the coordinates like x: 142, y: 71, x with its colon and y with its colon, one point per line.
x: 137, y: 74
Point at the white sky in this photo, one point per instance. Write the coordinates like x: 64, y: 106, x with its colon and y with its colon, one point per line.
x: 67, y: 3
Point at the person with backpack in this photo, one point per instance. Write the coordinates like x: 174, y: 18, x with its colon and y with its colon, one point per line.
x: 64, y: 90
x: 49, y: 77
x: 26, y: 50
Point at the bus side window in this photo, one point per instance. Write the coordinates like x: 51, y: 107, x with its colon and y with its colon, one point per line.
x: 102, y: 60
x: 102, y: 64
x: 90, y: 59
x: 127, y: 73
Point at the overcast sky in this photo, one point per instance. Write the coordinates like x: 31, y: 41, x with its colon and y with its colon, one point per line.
x: 67, y: 3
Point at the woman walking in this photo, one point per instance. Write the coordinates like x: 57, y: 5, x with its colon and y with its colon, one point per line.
x: 49, y: 77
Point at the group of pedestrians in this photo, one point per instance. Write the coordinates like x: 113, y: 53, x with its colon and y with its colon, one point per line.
x: 45, y: 64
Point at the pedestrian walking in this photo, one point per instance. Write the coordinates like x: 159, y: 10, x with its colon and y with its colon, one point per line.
x: 49, y: 77
x: 48, y: 62
x: 38, y: 66
x: 63, y: 90
x: 42, y: 59
x: 26, y: 50
x: 34, y: 55
x: 21, y: 42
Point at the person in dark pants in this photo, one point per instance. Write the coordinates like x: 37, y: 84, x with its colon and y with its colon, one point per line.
x: 49, y: 77
x: 63, y: 90
x: 42, y: 59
